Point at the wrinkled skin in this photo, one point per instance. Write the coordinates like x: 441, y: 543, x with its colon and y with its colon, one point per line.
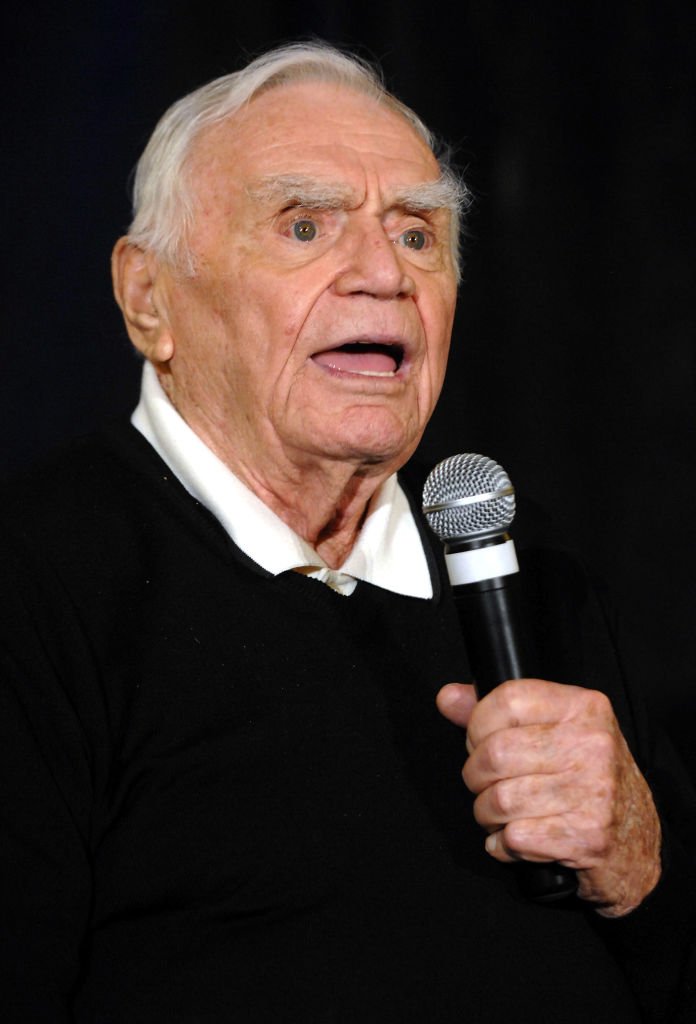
x: 238, y: 345
x: 555, y: 781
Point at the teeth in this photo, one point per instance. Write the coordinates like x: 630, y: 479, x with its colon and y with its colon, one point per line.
x: 374, y: 373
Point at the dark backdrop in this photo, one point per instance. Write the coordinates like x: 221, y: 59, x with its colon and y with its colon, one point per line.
x: 573, y: 355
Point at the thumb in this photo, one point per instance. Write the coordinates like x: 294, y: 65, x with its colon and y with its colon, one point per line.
x: 456, y: 701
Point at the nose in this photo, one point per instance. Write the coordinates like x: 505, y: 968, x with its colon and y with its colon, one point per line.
x: 373, y: 265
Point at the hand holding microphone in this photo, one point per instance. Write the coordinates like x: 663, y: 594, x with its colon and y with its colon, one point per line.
x: 553, y: 776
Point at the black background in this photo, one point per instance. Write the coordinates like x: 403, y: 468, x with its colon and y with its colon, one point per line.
x: 573, y: 352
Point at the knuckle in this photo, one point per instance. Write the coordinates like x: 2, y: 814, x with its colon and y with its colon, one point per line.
x: 596, y: 704
x: 598, y: 822
x: 516, y: 838
x: 469, y: 777
x: 602, y: 751
x: 497, y: 752
x: 593, y: 752
x: 514, y: 693
x: 504, y: 797
x: 480, y: 810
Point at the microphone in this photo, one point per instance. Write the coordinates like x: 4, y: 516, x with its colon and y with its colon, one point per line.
x: 469, y: 503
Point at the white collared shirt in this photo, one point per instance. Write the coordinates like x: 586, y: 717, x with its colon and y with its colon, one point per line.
x: 388, y: 551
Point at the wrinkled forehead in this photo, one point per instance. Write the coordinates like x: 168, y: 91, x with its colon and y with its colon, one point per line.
x: 312, y: 128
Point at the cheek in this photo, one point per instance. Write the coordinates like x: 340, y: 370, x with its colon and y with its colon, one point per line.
x: 438, y: 318
x: 273, y: 306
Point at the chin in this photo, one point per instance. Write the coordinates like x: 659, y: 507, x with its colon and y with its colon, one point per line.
x: 373, y: 440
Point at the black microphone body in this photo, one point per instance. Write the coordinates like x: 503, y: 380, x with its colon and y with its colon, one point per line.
x: 498, y: 647
x: 469, y: 503
x: 491, y: 621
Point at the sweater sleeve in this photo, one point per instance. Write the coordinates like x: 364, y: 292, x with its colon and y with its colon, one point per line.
x: 582, y: 639
x: 656, y: 944
x: 46, y: 781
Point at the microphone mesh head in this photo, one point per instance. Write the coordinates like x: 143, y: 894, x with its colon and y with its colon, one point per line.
x: 483, y: 487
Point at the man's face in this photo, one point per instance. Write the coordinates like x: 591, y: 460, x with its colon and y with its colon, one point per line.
x: 317, y: 325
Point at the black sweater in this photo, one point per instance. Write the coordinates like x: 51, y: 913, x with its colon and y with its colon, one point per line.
x: 229, y: 797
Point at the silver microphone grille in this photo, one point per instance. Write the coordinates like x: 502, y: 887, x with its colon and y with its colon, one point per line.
x: 467, y: 495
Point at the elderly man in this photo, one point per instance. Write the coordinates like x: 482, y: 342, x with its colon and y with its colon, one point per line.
x: 231, y: 760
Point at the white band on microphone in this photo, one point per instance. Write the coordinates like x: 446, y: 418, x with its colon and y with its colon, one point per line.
x: 481, y: 563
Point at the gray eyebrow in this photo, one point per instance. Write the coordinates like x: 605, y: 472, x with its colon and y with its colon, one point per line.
x: 447, y: 193
x: 301, y: 190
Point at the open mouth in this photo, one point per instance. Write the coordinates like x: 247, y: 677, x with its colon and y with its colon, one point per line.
x: 367, y: 358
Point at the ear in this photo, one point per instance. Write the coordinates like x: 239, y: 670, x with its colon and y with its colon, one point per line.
x: 134, y: 272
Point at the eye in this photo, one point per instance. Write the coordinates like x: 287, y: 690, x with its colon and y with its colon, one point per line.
x: 304, y: 230
x: 414, y: 238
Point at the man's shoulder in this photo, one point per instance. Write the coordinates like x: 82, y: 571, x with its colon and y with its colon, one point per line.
x: 78, y: 474
x: 97, y: 507
x: 88, y: 488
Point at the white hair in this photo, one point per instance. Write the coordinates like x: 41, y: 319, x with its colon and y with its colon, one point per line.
x: 163, y: 200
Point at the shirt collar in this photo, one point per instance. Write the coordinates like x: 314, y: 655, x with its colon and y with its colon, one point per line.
x: 388, y: 551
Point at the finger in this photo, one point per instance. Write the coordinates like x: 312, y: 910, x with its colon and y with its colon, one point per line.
x: 495, y: 846
x: 520, y: 702
x: 456, y: 701
x: 568, y: 748
x: 534, y: 797
x: 542, y: 840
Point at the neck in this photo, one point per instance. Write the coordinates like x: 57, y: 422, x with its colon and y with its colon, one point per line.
x: 326, y: 505
x: 323, y: 498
